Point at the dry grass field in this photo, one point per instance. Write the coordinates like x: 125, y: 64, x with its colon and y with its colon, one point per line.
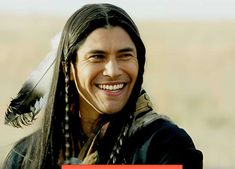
x: 189, y: 76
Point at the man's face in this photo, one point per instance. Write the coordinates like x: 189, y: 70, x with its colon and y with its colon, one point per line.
x: 106, y: 69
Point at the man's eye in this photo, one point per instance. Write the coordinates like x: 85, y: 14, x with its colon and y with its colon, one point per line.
x: 125, y: 56
x: 96, y: 58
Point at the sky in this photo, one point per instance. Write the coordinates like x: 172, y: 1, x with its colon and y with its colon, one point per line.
x: 140, y: 9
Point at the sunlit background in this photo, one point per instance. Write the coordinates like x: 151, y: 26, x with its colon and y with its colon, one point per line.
x: 189, y: 71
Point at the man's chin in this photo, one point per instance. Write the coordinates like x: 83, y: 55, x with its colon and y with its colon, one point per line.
x: 112, y: 110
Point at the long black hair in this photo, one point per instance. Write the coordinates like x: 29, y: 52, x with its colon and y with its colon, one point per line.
x: 48, y: 146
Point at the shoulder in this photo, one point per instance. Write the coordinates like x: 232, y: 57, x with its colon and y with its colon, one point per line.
x: 17, y: 155
x: 160, y: 141
x: 156, y: 126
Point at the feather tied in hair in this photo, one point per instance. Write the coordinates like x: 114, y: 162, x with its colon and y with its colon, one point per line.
x: 32, y: 97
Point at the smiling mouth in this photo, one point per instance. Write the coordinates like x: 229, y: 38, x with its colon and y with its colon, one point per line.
x: 113, y: 87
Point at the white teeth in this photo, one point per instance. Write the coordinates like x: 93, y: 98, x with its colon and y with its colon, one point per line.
x: 111, y: 87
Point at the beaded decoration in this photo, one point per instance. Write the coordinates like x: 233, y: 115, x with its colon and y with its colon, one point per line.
x: 119, y: 143
x: 66, y: 118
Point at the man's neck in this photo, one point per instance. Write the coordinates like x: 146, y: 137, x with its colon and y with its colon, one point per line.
x: 88, y: 117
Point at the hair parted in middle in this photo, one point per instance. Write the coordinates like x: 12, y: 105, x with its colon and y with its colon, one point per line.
x: 61, y: 117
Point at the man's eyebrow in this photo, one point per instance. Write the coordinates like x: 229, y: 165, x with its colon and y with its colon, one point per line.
x: 97, y: 51
x: 128, y: 49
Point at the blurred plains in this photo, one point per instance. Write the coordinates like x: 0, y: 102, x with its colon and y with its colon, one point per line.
x: 189, y: 76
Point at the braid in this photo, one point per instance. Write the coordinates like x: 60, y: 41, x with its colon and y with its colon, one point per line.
x: 115, y: 156
x: 66, y: 117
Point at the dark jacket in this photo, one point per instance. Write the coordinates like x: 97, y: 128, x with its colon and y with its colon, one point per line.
x: 152, y: 139
x: 162, y: 142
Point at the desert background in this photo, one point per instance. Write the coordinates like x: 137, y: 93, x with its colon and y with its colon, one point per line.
x: 189, y: 76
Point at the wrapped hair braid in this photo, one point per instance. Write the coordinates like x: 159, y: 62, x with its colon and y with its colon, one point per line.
x: 116, y: 154
x: 66, y: 117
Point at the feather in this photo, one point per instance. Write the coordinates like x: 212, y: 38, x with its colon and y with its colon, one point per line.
x: 32, y: 97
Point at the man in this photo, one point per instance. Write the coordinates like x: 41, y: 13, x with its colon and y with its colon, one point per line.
x: 96, y: 111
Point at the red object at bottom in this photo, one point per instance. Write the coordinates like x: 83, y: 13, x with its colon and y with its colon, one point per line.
x: 131, y: 166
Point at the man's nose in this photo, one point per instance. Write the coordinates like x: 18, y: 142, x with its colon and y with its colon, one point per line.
x: 112, y: 68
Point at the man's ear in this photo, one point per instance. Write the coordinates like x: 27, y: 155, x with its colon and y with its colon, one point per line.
x: 73, y: 75
x: 72, y: 71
